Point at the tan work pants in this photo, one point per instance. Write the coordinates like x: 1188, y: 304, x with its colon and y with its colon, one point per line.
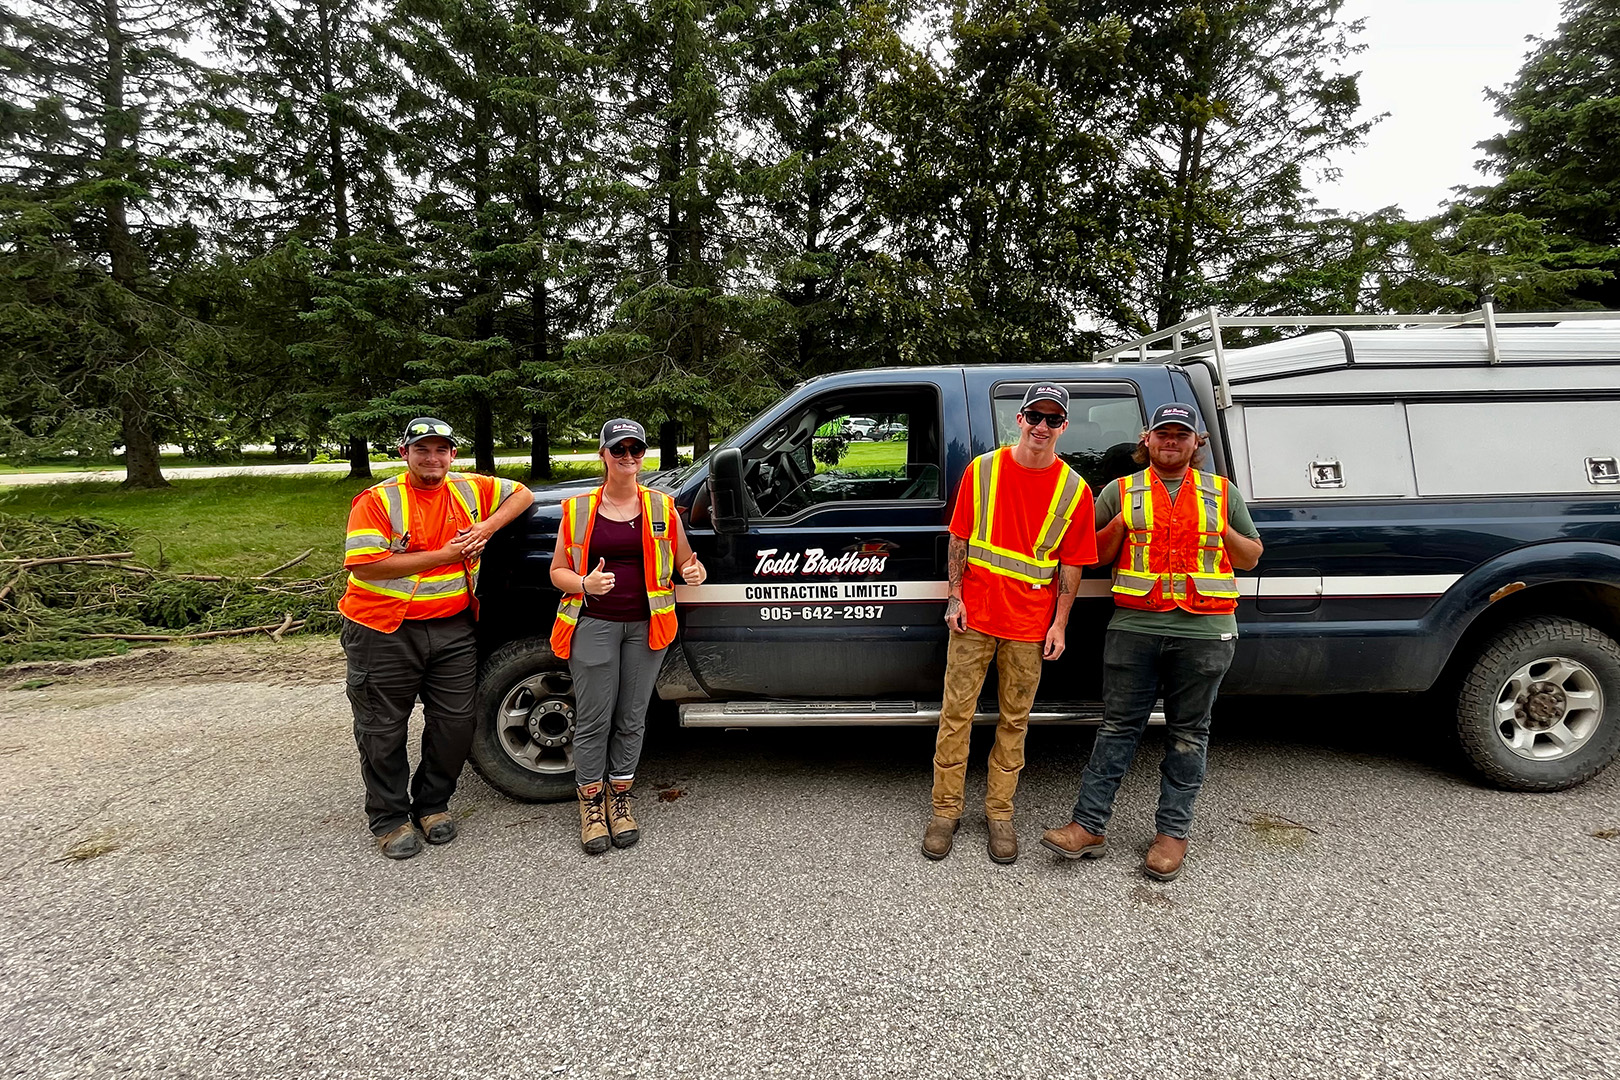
x: 1018, y: 665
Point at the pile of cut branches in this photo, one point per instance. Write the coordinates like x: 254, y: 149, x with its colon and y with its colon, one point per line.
x: 71, y: 588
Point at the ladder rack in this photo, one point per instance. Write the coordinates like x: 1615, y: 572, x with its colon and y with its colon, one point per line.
x: 1212, y: 324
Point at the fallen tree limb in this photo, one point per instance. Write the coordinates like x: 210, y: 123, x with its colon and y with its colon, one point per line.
x: 287, y: 626
x: 288, y: 565
x: 93, y: 559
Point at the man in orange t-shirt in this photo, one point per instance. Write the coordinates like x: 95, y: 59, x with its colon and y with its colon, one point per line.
x: 1021, y: 530
x: 412, y: 554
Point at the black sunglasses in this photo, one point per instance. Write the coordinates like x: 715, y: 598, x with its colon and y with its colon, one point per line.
x: 621, y: 449
x: 1033, y: 418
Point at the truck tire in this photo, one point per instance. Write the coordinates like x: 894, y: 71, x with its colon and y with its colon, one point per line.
x: 1539, y: 708
x: 524, y: 742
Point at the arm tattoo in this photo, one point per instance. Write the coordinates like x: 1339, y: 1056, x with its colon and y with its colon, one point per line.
x: 957, y: 560
x: 1065, y: 586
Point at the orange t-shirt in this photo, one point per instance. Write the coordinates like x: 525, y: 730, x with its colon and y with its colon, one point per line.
x: 434, y: 520
x: 1005, y: 607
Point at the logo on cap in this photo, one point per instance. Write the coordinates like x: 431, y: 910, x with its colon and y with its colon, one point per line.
x: 1172, y: 411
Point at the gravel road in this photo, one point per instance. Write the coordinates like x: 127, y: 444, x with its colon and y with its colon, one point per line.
x: 190, y: 892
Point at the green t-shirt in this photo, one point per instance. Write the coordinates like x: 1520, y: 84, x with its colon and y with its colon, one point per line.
x: 1177, y: 622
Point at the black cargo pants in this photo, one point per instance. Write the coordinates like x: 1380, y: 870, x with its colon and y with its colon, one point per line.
x: 436, y: 660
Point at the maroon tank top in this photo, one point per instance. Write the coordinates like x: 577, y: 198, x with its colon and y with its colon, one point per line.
x: 619, y: 542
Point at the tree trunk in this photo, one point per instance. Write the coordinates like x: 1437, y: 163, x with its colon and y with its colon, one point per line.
x: 539, y: 447
x: 700, y: 439
x: 141, y: 463
x: 143, y: 468
x: 669, y: 444
x: 359, y: 458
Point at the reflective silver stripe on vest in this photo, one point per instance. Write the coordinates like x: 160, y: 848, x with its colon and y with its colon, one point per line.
x: 467, y: 491
x: 443, y: 587
x: 369, y: 541
x: 394, y: 500
x: 981, y: 554
x: 1058, y: 519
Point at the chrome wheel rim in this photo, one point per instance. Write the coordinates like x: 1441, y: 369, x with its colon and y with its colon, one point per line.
x: 1549, y: 708
x: 535, y: 723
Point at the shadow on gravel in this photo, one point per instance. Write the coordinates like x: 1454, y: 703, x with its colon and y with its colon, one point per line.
x: 1408, y: 732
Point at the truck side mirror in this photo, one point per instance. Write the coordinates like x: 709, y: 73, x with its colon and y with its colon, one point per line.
x: 727, y: 499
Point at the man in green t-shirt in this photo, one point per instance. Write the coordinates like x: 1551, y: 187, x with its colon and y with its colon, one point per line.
x: 1177, y: 533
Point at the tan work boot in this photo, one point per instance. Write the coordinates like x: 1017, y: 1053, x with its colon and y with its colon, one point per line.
x: 937, y: 840
x: 619, y: 822
x: 402, y: 842
x: 593, y: 830
x: 1164, y: 858
x: 1073, y: 841
x: 1003, y: 842
x: 438, y: 828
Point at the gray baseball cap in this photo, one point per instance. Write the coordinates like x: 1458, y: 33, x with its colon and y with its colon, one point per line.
x: 616, y: 431
x: 1176, y: 412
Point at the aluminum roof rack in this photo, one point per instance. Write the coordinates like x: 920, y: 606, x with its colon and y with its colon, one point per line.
x: 1210, y: 325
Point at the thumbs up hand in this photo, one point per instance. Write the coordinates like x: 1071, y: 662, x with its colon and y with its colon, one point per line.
x: 598, y: 581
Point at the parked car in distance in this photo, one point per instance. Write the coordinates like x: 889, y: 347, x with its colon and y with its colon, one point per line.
x: 893, y: 431
x: 859, y: 427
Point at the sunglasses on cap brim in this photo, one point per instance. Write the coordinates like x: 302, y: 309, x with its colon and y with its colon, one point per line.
x: 429, y: 429
x: 627, y: 447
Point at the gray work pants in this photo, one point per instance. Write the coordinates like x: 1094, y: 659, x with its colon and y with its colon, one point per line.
x: 432, y: 659
x: 613, y: 674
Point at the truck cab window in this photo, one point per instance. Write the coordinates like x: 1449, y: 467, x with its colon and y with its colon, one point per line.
x: 878, y: 446
x: 1104, y: 425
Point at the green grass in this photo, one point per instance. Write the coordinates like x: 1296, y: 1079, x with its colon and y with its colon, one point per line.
x: 253, y: 457
x: 234, y: 525
x: 860, y: 456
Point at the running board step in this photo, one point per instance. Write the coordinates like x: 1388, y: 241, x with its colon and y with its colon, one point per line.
x: 742, y: 714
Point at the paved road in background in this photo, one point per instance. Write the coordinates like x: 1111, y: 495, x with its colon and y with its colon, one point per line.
x: 203, y: 472
x: 1352, y: 907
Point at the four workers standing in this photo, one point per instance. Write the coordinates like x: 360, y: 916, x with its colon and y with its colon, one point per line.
x: 1023, y: 526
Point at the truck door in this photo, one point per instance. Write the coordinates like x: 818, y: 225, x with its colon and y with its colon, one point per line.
x: 837, y: 589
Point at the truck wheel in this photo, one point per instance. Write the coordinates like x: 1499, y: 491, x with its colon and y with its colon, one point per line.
x: 524, y: 743
x: 1540, y: 707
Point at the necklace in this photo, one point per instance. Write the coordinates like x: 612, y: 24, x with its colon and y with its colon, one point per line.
x: 620, y: 509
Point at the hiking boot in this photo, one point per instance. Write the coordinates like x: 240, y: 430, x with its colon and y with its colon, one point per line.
x: 437, y: 828
x: 1164, y: 858
x: 1074, y: 842
x: 937, y: 840
x: 619, y: 822
x: 401, y: 843
x: 593, y: 830
x: 1003, y: 842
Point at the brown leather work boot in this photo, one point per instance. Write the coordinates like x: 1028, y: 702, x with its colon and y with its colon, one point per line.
x: 937, y: 840
x: 619, y: 822
x: 1003, y: 842
x: 438, y: 828
x: 1164, y: 858
x: 1074, y: 842
x: 401, y: 842
x: 593, y: 830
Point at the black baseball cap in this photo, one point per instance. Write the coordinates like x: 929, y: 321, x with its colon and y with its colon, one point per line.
x: 616, y: 431
x: 426, y: 427
x: 1046, y: 392
x: 1176, y: 412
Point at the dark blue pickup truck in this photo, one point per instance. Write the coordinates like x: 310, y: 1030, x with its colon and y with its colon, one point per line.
x: 1440, y: 510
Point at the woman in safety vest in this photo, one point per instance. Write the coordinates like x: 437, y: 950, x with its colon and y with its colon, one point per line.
x: 616, y: 555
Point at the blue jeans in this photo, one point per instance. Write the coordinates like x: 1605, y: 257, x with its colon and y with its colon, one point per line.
x: 1136, y: 667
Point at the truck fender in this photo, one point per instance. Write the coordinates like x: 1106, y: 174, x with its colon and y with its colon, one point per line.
x: 1516, y: 572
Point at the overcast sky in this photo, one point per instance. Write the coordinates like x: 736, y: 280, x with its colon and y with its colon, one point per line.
x: 1427, y: 65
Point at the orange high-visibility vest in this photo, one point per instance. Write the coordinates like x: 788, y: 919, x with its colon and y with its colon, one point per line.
x: 657, y: 560
x: 383, y: 605
x: 1174, y: 554
x: 1038, y: 565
